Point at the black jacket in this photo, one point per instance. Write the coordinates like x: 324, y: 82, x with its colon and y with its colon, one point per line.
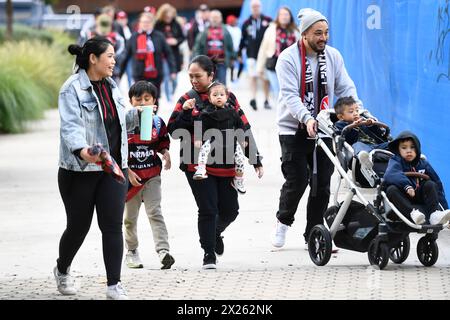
x: 397, y: 166
x: 249, y: 42
x: 177, y: 33
x: 162, y: 49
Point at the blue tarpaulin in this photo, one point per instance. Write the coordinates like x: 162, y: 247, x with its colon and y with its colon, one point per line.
x: 398, y: 54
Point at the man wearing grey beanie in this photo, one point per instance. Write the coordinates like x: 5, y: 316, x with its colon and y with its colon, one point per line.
x: 310, y: 74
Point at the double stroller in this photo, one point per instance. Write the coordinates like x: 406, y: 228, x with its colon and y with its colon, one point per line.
x: 376, y: 227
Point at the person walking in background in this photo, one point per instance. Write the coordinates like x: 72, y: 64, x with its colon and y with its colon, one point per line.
x: 92, y: 110
x: 148, y: 48
x: 216, y: 43
x: 123, y: 28
x: 216, y: 199
x: 280, y: 34
x: 311, y: 74
x: 144, y: 173
x: 236, y: 35
x: 166, y: 22
x: 252, y: 34
x: 198, y: 25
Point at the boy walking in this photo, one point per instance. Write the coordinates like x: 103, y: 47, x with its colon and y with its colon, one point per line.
x: 145, y: 180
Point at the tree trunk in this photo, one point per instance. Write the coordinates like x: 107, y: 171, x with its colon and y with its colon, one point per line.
x: 9, y: 20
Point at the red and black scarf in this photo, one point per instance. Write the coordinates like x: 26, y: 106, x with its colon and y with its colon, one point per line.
x: 313, y: 104
x: 145, y: 51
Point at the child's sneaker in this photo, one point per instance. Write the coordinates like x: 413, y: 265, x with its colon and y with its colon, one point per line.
x: 440, y: 217
x: 116, y: 292
x: 133, y: 260
x: 238, y: 184
x: 200, y: 174
x: 64, y: 282
x: 166, y: 259
x: 417, y: 216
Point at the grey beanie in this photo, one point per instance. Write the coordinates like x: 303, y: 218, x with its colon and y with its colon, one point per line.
x: 308, y: 17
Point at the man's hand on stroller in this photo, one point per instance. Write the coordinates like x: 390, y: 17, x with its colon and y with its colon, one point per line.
x: 311, y: 128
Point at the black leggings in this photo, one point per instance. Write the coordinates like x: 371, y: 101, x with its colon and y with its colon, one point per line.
x: 81, y: 192
x: 426, y: 195
x: 218, y: 206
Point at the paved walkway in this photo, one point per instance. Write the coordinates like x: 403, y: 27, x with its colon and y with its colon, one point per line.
x: 33, y: 220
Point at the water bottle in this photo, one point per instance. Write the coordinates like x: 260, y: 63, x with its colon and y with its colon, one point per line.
x: 146, y: 123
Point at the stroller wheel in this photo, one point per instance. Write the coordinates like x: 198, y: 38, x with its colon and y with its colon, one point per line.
x: 319, y: 245
x: 427, y: 251
x: 400, y: 253
x: 378, y: 256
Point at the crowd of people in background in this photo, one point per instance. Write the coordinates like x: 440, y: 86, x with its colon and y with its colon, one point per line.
x: 173, y: 40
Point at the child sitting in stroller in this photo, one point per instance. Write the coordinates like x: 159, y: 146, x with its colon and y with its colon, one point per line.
x: 364, y: 138
x: 404, y: 192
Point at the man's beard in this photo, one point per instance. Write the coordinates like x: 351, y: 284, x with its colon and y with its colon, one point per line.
x: 315, y: 47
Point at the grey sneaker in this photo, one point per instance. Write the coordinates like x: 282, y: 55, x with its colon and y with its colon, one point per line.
x: 132, y: 259
x: 116, y: 292
x: 64, y: 282
x: 166, y: 259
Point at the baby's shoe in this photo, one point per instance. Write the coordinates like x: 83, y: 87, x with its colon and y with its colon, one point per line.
x: 417, y: 216
x: 440, y: 217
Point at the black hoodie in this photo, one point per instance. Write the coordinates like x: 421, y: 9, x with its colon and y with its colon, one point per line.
x: 397, y: 166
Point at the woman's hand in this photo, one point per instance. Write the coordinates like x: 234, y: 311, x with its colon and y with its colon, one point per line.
x: 134, y: 178
x: 189, y: 104
x: 84, y: 154
x: 259, y: 171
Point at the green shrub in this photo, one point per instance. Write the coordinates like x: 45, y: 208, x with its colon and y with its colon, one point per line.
x: 31, y: 74
x: 22, y: 32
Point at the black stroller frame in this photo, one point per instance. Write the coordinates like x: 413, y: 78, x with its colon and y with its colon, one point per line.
x: 367, y: 227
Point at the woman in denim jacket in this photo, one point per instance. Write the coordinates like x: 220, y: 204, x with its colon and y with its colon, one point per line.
x: 92, y: 110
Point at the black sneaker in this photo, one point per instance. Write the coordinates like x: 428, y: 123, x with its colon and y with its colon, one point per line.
x: 219, y: 246
x: 253, y: 104
x: 209, y: 261
x: 267, y: 105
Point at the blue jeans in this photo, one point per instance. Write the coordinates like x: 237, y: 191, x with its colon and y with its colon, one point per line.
x: 360, y: 146
x: 221, y: 73
x: 170, y: 85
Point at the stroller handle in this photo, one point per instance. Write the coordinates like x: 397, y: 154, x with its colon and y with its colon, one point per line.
x: 362, y: 123
x: 417, y: 175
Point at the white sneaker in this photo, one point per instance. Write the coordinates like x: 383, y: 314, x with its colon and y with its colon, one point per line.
x: 365, y: 159
x: 200, y: 174
x: 279, y: 235
x: 440, y: 217
x: 166, y: 259
x: 238, y: 184
x: 116, y: 292
x: 64, y: 282
x: 417, y: 216
x: 133, y: 260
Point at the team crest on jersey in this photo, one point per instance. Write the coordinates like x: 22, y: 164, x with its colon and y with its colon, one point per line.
x: 324, y: 104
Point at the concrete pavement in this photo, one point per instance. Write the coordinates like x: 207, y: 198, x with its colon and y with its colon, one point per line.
x: 33, y: 219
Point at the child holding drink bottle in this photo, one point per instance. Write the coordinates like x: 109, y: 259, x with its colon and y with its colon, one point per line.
x: 145, y: 180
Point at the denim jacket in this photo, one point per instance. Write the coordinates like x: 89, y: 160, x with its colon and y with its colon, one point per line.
x: 82, y: 121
